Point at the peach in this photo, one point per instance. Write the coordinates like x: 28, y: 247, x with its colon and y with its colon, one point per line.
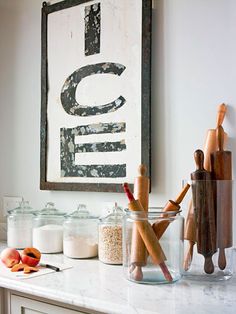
x: 10, y: 257
x: 18, y: 267
x: 23, y: 267
x: 30, y: 256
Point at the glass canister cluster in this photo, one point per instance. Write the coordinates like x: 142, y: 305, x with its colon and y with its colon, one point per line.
x: 75, y: 235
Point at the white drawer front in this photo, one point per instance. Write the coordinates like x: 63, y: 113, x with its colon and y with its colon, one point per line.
x: 21, y: 305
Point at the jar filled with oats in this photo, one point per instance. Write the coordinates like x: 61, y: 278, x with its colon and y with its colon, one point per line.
x: 110, y: 236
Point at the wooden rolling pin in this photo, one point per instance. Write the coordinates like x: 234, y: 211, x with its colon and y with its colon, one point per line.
x: 221, y: 162
x: 138, y: 249
x: 211, y: 142
x: 148, y: 236
x: 160, y: 226
x: 204, y: 208
x: 209, y: 147
x: 142, y: 186
x: 190, y: 235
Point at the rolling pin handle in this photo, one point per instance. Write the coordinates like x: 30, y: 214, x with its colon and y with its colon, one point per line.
x: 182, y: 194
x: 137, y: 273
x: 189, y: 256
x: 220, y: 138
x: 142, y: 170
x: 221, y: 114
x: 199, y: 159
x: 222, y: 259
x: 208, y: 265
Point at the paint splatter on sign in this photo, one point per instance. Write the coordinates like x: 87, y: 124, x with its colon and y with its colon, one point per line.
x: 68, y: 99
x: 69, y: 149
x: 92, y: 29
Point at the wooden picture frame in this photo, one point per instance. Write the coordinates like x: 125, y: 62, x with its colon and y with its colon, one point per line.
x: 92, y: 52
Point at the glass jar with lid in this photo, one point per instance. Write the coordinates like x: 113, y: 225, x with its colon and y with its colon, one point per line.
x: 110, y: 236
x: 80, y: 239
x: 48, y: 229
x: 19, y: 226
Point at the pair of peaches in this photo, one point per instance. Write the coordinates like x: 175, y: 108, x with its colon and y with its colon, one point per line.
x: 27, y: 260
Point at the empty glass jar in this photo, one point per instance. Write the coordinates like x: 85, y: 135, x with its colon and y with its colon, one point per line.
x: 163, y: 233
x: 80, y: 239
x: 19, y: 226
x: 48, y: 229
x: 110, y: 236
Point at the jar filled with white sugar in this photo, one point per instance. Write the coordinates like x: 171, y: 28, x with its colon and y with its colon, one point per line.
x: 48, y: 229
x: 80, y: 239
x: 110, y: 236
x: 19, y: 226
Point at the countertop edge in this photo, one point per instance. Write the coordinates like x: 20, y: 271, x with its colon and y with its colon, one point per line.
x: 89, y: 304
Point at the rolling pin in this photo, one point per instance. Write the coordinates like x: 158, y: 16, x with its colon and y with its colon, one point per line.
x: 221, y: 162
x: 148, y: 236
x: 211, y: 142
x: 138, y: 249
x: 190, y: 235
x: 209, y: 147
x: 204, y: 208
x: 160, y: 226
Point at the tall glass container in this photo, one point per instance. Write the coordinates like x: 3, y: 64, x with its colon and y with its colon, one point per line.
x: 209, y: 254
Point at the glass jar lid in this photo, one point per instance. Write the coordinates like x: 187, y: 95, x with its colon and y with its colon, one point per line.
x: 22, y: 209
x: 81, y: 213
x: 115, y: 215
x: 50, y: 210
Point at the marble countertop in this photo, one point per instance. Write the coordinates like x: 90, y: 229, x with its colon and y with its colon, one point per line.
x: 93, y: 285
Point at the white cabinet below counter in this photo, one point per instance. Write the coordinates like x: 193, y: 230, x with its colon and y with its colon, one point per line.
x: 24, y: 305
x: 1, y: 301
x: 14, y: 303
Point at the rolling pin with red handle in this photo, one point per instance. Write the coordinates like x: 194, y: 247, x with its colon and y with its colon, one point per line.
x: 221, y: 162
x: 204, y: 208
x: 148, y: 236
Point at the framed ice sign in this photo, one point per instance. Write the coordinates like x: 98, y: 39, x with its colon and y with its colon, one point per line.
x: 95, y: 110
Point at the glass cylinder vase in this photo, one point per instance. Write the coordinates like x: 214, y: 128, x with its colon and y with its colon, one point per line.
x: 153, y: 246
x: 209, y: 231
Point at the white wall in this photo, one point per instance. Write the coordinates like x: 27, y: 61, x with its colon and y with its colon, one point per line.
x: 194, y: 69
